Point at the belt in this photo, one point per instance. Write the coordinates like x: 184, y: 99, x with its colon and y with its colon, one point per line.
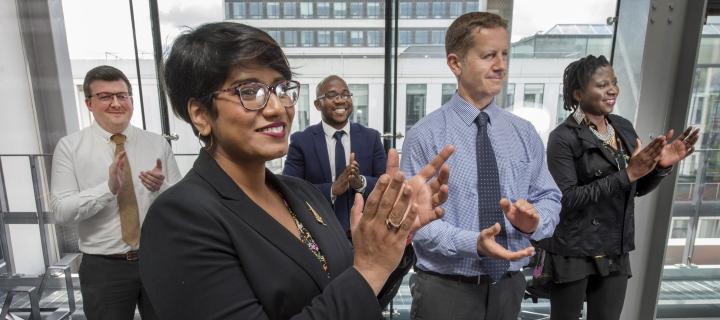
x: 127, y: 256
x: 476, y: 280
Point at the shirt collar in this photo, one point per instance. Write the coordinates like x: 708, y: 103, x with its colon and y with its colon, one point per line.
x: 468, y: 112
x: 128, y: 132
x: 330, y: 131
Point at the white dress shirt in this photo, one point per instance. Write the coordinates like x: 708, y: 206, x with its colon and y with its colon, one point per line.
x: 79, y: 189
x: 330, y: 142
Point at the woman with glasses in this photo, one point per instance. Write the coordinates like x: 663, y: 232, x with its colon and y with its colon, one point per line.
x: 598, y: 163
x: 234, y: 241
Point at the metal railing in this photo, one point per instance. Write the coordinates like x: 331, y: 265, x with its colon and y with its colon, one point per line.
x: 10, y: 281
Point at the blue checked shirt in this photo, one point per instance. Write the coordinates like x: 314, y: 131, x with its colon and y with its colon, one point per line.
x: 449, y: 245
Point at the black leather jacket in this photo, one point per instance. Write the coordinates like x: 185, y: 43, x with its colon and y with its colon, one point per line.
x: 597, y: 216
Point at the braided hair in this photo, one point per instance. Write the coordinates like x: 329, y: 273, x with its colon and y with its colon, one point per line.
x: 576, y: 77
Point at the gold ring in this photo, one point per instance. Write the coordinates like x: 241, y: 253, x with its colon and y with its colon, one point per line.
x: 391, y: 226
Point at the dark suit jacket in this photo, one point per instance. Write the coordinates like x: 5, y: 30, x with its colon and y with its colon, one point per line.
x: 598, y: 200
x: 308, y: 159
x: 209, y: 252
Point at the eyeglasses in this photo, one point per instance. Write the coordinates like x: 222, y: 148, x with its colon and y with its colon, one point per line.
x: 255, y: 95
x: 332, y: 95
x: 107, y: 97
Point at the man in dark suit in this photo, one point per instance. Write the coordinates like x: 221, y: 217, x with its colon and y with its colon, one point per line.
x: 336, y: 155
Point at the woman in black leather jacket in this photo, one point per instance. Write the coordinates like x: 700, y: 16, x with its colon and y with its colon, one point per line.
x: 596, y: 159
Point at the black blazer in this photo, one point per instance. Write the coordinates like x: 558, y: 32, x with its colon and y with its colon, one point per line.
x: 209, y: 252
x: 598, y: 200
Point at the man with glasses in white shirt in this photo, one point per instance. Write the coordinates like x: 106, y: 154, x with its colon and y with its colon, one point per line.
x: 104, y: 178
x: 338, y: 156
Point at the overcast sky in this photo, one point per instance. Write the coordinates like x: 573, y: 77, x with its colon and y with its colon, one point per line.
x: 101, y: 29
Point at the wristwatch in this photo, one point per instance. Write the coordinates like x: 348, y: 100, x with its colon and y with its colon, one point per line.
x: 364, y: 184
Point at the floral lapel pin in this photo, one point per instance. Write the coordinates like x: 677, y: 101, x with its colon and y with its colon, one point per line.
x: 316, y: 214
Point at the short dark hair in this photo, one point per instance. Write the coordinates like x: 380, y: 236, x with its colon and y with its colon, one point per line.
x: 324, y: 82
x: 576, y: 77
x: 201, y: 59
x: 459, y: 35
x: 103, y: 73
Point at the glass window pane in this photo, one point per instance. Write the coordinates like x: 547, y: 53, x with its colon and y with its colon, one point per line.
x: 360, y: 103
x: 356, y: 9
x: 599, y: 46
x: 323, y: 9
x: 455, y: 9
x: 438, y: 9
x: 405, y: 9
x: 709, y: 50
x: 239, y: 10
x: 373, y: 10
x: 340, y: 38
x: 564, y: 47
x: 421, y: 37
x: 415, y: 97
x: 404, y: 37
x: 437, y: 37
x: 323, y: 38
x: 691, y: 255
x: 356, y: 38
x: 302, y: 113
x: 471, y: 6
x: 374, y: 38
x: 679, y: 228
x: 306, y: 10
x: 448, y: 90
x: 422, y: 9
x: 276, y: 34
x: 539, y: 54
x: 533, y: 95
x: 307, y: 38
x: 561, y: 112
x: 523, y: 48
x: 290, y: 38
x: 255, y: 9
x: 290, y: 9
x: 709, y: 228
x: 510, y: 96
x: 339, y: 9
x: 273, y: 9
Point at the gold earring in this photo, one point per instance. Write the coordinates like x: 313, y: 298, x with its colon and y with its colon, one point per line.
x: 207, y: 146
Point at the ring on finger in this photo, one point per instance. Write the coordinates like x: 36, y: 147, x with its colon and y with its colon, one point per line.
x: 391, y: 226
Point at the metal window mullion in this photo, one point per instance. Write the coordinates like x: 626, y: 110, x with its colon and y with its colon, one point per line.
x: 5, y: 241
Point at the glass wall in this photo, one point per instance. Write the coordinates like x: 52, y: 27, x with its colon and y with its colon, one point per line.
x: 542, y: 48
x: 691, y: 274
x: 546, y: 37
x: 347, y: 38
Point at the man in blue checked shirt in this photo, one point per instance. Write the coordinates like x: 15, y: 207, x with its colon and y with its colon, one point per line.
x: 501, y: 193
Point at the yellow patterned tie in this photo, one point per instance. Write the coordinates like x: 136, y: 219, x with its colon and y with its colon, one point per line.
x: 129, y: 217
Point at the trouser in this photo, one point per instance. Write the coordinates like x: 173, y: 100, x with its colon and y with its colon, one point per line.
x: 111, y: 289
x: 436, y: 297
x: 605, y: 297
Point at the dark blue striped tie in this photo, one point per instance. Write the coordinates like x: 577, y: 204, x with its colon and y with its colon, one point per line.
x: 339, y: 153
x: 342, y: 205
x: 489, y: 209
